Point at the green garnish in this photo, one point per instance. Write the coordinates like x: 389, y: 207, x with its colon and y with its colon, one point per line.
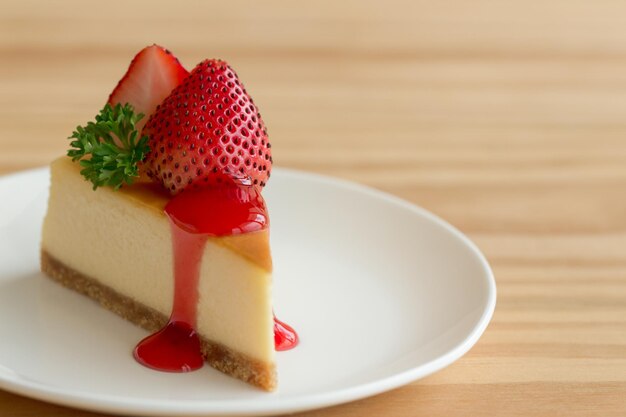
x: 109, y: 149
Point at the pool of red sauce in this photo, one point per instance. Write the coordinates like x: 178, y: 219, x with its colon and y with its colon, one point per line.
x: 194, y: 216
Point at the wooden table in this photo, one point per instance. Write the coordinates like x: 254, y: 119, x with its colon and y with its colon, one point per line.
x: 507, y: 118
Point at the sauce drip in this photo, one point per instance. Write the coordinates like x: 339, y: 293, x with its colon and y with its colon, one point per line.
x: 176, y: 347
x: 285, y: 337
x: 195, y: 215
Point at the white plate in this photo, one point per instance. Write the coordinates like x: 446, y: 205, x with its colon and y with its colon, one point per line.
x: 381, y: 292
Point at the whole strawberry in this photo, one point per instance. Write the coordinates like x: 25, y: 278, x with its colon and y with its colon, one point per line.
x: 206, y: 131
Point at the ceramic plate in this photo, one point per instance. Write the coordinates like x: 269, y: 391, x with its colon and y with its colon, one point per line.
x: 381, y: 292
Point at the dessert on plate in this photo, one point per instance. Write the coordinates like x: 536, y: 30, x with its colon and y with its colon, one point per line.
x: 157, y: 214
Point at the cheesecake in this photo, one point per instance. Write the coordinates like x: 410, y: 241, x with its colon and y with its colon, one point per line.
x: 164, y: 224
x: 132, y: 273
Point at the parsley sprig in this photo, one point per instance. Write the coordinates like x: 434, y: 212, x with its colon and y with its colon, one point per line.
x: 110, y: 149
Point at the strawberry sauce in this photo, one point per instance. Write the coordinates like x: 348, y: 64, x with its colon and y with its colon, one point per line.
x: 195, y: 215
x: 285, y: 337
x: 176, y: 347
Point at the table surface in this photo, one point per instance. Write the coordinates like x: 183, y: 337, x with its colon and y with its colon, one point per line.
x: 507, y: 118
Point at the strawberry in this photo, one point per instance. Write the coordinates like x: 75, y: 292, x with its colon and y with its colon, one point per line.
x: 151, y: 76
x: 206, y: 131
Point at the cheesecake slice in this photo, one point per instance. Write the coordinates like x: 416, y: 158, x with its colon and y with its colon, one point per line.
x: 158, y: 215
x: 116, y: 248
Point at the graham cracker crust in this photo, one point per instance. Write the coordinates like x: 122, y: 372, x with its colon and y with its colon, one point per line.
x: 220, y: 357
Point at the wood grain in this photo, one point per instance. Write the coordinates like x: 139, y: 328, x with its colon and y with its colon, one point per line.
x: 507, y: 118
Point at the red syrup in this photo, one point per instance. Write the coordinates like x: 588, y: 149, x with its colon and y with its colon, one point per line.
x: 195, y: 215
x: 176, y: 347
x: 285, y: 337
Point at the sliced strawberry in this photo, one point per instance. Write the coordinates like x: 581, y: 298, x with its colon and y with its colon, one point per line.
x: 151, y: 76
x: 207, y: 129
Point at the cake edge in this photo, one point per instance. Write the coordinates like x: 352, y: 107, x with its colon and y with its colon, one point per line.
x: 218, y: 356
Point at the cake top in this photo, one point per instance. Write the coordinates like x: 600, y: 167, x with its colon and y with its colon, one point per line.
x: 182, y: 130
x: 151, y: 199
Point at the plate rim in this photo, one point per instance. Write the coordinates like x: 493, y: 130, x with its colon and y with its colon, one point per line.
x: 11, y: 382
